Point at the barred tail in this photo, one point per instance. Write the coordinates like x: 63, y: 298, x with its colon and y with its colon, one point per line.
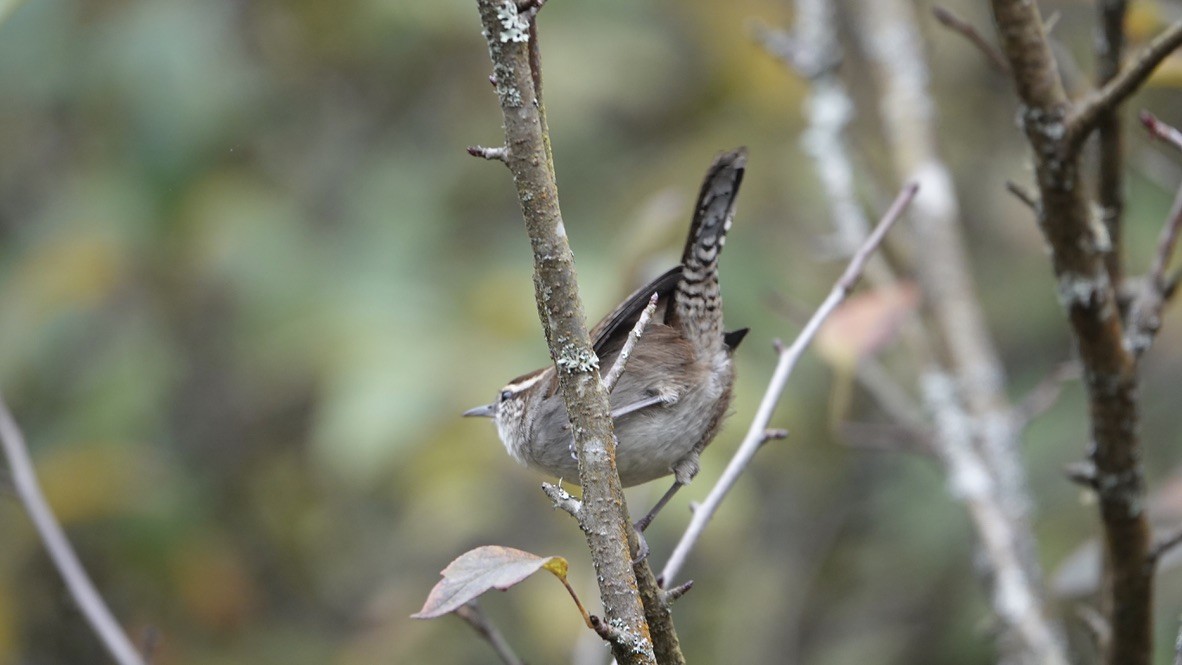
x: 697, y: 299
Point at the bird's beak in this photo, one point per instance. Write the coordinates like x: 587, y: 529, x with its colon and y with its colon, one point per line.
x: 486, y: 411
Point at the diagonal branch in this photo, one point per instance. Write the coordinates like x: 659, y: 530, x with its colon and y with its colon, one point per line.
x: 613, y: 375
x: 757, y: 434
x: 1083, y: 120
x: 488, y: 631
x: 949, y: 19
x: 93, y: 607
x: 1145, y: 314
x: 1160, y: 130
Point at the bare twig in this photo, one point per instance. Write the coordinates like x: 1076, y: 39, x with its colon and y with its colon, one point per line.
x: 499, y: 153
x: 1082, y: 473
x: 1098, y: 627
x: 891, y: 397
x: 775, y: 434
x: 1024, y: 195
x: 563, y: 499
x: 1044, y: 395
x: 613, y: 375
x: 1160, y: 130
x: 1083, y: 119
x: 886, y: 438
x: 888, y: 31
x: 952, y: 21
x: 757, y: 433
x: 1164, y: 545
x: 1165, y: 243
x: 678, y: 591
x: 530, y: 8
x: 93, y: 607
x: 1145, y: 314
x: 150, y: 644
x: 474, y: 617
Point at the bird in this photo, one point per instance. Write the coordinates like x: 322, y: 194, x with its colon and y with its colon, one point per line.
x: 676, y: 388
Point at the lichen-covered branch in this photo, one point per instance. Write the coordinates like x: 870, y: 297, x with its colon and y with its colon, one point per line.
x: 603, y: 515
x: 976, y: 427
x: 1079, y: 245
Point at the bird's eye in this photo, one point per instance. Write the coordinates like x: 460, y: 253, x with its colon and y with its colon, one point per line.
x: 505, y: 394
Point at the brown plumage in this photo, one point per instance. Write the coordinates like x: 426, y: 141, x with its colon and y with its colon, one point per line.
x: 676, y: 388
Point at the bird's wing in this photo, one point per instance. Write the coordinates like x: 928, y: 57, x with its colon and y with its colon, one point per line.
x: 621, y: 321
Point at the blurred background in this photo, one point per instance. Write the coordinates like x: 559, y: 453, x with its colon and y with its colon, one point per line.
x: 249, y: 279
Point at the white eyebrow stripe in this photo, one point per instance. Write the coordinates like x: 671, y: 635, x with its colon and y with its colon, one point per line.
x: 525, y: 383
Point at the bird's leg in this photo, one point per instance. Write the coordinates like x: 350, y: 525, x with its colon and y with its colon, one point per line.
x: 644, y: 522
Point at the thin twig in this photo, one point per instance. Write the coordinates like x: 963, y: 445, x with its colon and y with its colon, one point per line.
x: 499, y: 153
x: 952, y: 21
x: 1083, y: 119
x: 150, y: 644
x: 886, y: 438
x: 474, y: 617
x: 1099, y: 629
x: 1163, y: 546
x: 613, y: 375
x: 1161, y: 131
x: 1166, y: 242
x: 563, y: 499
x: 678, y: 591
x: 1082, y: 473
x: 530, y: 8
x: 1044, y: 395
x: 891, y: 397
x: 93, y: 607
x: 1024, y: 195
x: 757, y: 433
x: 1145, y: 314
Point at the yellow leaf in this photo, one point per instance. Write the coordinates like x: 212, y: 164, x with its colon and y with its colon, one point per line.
x: 558, y: 566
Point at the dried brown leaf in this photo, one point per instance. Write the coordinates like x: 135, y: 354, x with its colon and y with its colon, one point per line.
x: 477, y: 571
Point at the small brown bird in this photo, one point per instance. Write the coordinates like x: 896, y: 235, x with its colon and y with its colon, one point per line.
x: 676, y: 386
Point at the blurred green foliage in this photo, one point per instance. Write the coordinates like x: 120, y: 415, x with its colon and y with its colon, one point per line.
x: 249, y: 279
